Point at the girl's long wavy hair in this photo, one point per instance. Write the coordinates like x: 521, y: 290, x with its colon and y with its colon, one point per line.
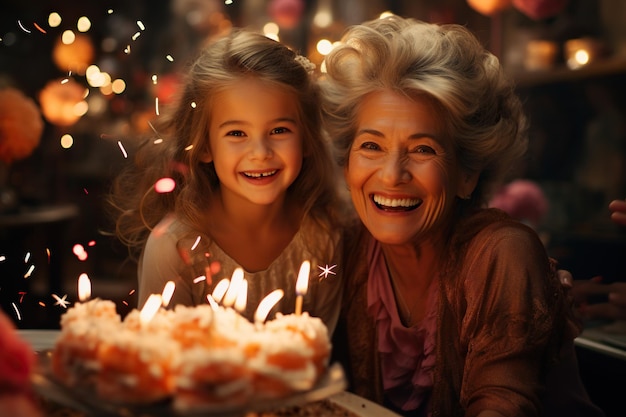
x: 183, y: 138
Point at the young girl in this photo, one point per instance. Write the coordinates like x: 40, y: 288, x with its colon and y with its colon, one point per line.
x: 255, y: 186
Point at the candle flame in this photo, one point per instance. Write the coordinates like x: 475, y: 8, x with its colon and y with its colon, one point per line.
x: 84, y: 287
x: 212, y: 302
x: 150, y: 308
x: 233, y: 289
x: 302, y: 284
x: 267, y: 304
x: 168, y: 292
x: 220, y: 289
x: 242, y: 296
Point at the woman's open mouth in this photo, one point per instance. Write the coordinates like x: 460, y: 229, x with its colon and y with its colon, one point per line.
x: 395, y: 204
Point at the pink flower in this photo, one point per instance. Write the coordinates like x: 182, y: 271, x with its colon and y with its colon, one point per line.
x: 540, y: 9
x: 21, y: 125
x: 16, y: 359
x: 523, y: 200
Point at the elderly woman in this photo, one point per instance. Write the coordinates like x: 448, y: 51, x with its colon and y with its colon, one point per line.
x: 450, y: 309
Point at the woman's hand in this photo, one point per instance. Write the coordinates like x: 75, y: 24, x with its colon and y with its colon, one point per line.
x: 618, y: 211
x: 600, y: 301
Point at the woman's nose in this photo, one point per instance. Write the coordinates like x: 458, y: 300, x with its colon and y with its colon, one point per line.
x: 395, y: 169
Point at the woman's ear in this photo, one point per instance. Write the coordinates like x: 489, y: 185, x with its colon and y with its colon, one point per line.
x: 467, y: 185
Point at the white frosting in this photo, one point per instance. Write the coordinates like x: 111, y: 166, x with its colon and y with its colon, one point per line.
x: 171, y: 346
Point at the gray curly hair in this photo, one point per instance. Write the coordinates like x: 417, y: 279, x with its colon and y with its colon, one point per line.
x: 481, y: 114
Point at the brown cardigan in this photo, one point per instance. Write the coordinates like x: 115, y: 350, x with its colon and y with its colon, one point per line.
x: 502, y: 318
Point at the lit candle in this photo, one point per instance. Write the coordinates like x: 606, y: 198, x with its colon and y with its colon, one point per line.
x: 302, y: 285
x: 84, y: 287
x: 212, y: 302
x: 242, y: 297
x: 168, y: 292
x: 266, y: 305
x: 233, y: 289
x: 220, y: 289
x: 150, y: 308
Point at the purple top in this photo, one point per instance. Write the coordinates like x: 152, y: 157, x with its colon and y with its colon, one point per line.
x: 407, y: 353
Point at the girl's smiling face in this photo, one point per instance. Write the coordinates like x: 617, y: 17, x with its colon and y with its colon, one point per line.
x: 401, y: 171
x: 255, y: 141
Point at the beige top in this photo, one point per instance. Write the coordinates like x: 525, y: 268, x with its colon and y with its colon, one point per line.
x: 172, y: 253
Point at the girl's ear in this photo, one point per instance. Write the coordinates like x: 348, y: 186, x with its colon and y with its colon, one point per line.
x: 467, y: 185
x: 206, y: 156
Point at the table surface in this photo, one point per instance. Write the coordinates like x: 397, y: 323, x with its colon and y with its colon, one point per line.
x: 39, y: 214
x: 608, y: 339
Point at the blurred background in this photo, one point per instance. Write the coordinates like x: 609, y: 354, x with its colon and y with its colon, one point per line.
x: 81, y: 80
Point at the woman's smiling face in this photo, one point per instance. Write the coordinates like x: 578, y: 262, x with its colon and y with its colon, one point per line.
x: 401, y: 171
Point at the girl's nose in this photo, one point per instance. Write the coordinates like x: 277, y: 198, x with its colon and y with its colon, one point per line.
x: 260, y: 148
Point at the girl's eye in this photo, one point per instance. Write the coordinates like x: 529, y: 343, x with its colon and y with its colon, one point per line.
x: 279, y: 130
x: 238, y: 133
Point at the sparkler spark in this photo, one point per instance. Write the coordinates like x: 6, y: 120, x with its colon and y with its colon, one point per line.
x: 61, y: 301
x: 119, y: 143
x: 19, y: 23
x: 19, y: 316
x: 39, y: 28
x: 199, y: 279
x: 29, y: 272
x: 326, y: 270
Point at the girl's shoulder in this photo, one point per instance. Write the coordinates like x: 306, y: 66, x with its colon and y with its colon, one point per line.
x: 318, y: 239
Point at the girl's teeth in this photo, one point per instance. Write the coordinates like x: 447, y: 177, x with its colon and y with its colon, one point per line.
x: 259, y: 174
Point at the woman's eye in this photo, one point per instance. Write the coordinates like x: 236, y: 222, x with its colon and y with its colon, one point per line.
x: 424, y: 149
x: 237, y: 133
x: 370, y: 146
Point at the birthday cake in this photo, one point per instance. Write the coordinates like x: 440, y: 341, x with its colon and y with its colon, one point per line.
x: 191, y: 356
